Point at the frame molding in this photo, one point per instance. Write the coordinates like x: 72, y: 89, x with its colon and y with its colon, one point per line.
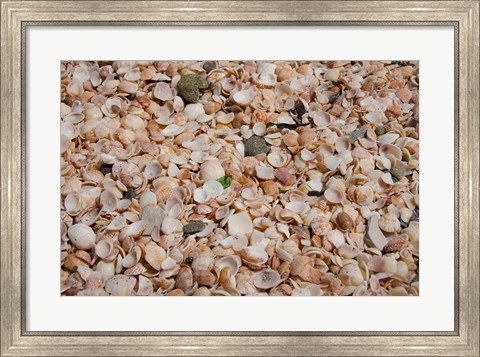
x: 15, y: 15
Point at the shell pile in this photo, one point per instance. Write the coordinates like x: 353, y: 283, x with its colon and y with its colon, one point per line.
x: 224, y: 178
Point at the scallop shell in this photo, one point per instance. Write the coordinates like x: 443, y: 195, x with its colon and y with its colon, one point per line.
x: 389, y: 223
x: 211, y: 170
x: 120, y: 285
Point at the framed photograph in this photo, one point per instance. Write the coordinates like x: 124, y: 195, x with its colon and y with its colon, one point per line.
x: 239, y: 178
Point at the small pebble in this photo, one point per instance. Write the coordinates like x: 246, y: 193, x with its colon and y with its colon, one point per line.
x: 356, y: 134
x: 193, y: 227
x: 189, y: 87
x: 256, y: 145
x: 129, y: 194
x: 380, y: 130
x: 209, y: 66
x: 106, y: 169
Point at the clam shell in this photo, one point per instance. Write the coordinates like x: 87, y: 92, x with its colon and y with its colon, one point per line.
x: 255, y: 255
x: 389, y: 223
x: 82, y: 236
x: 239, y: 224
x: 120, y: 285
x: 213, y: 188
x: 155, y: 255
x: 211, y: 170
x: 266, y: 279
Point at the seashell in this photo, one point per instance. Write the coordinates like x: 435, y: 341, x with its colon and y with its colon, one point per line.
x: 213, y: 188
x: 264, y: 173
x: 148, y: 198
x: 259, y: 129
x: 321, y: 225
x: 117, y: 223
x: 232, y: 262
x: 374, y: 234
x: 351, y: 274
x: 396, y: 243
x: 132, y: 258
x: 109, y: 201
x: 82, y: 236
x: 106, y: 269
x: 285, y: 177
x: 172, y: 130
x: 336, y: 237
x: 154, y: 255
x: 332, y: 74
x: 244, y: 97
x: 389, y: 149
x: 200, y: 195
x: 184, y: 280
x: 145, y: 286
x: 389, y: 223
x: 211, y: 170
x: 168, y: 264
x: 348, y: 251
x: 74, y: 203
x: 171, y: 225
x: 363, y: 195
x: 128, y: 87
x: 255, y: 255
x: 152, y: 170
x: 334, y: 195
x: 92, y: 215
x: 203, y: 277
x: 266, y: 279
x: 269, y: 187
x: 342, y: 144
x: 239, y: 224
x: 120, y: 285
x: 277, y: 158
x: 136, y: 229
x: 344, y: 221
x: 104, y: 248
x: 266, y: 74
x: 382, y: 264
x: 301, y: 266
x: 193, y: 111
x: 307, y: 137
x: 163, y: 91
x: 224, y: 118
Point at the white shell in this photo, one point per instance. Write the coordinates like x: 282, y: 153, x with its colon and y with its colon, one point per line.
x: 194, y: 110
x: 266, y: 279
x: 240, y: 223
x: 244, y: 97
x: 213, y: 188
x: 265, y: 173
x: 153, y: 170
x: 334, y: 195
x: 120, y: 285
x: 148, y: 198
x: 200, y: 195
x: 277, y: 158
x: 163, y: 91
x: 82, y: 236
x: 109, y: 201
x: 172, y: 130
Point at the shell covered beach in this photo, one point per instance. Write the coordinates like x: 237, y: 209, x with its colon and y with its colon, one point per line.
x: 228, y: 178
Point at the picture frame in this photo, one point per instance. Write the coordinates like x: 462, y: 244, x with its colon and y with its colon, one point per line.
x: 16, y: 16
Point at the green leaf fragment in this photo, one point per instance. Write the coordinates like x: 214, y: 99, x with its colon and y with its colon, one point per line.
x: 226, y: 181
